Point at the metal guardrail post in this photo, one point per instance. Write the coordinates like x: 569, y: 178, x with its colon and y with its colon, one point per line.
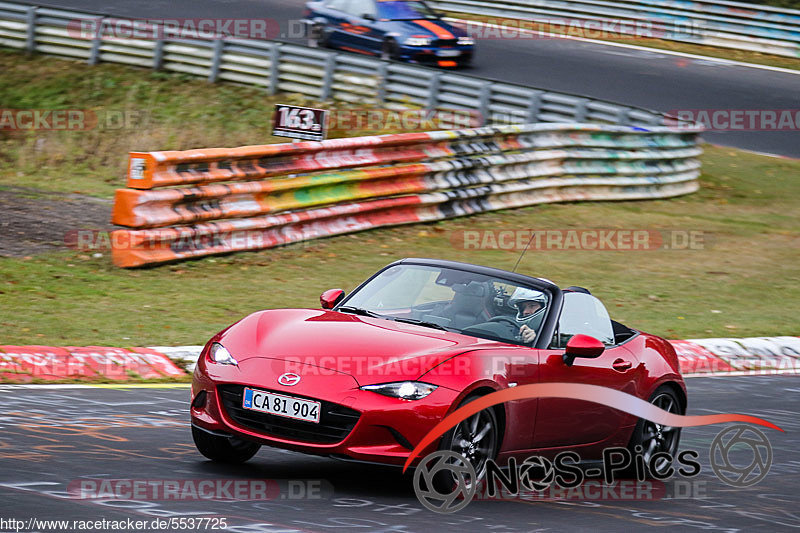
x: 327, y: 80
x: 581, y: 111
x: 433, y: 91
x: 624, y: 117
x: 534, y: 104
x: 274, y: 70
x: 484, y: 101
x: 219, y: 46
x: 158, y: 54
x: 97, y: 40
x: 383, y: 70
x: 30, y: 34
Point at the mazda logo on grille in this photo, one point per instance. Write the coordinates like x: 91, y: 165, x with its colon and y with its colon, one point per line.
x: 289, y: 379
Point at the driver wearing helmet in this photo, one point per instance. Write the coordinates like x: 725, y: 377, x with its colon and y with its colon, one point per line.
x: 530, y: 307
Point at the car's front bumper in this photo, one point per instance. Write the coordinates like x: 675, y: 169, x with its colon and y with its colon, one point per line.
x: 429, y: 55
x: 385, y: 432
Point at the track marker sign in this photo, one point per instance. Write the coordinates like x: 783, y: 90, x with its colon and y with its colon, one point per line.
x: 304, y: 123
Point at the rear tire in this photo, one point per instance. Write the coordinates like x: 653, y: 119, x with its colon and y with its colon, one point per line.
x: 653, y: 438
x: 222, y: 449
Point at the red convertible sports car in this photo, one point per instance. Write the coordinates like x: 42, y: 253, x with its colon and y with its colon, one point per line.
x: 370, y: 374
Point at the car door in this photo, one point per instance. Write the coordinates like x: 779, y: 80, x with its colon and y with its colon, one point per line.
x: 336, y: 15
x: 513, y: 367
x: 359, y: 27
x: 567, y: 422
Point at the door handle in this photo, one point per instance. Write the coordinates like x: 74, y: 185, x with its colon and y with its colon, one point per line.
x: 621, y: 365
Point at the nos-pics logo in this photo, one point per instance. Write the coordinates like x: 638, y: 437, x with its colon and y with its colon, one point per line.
x: 446, y: 481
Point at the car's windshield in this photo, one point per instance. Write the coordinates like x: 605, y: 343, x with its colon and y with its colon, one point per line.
x: 405, y: 11
x: 466, y: 302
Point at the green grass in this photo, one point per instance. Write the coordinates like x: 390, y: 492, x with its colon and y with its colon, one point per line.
x: 165, y: 110
x: 789, y: 4
x: 743, y: 282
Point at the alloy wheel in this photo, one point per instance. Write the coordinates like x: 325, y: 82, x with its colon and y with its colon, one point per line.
x: 657, y: 438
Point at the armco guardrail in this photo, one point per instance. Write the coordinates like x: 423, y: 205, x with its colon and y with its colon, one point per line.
x: 757, y: 28
x: 319, y: 74
x: 225, y: 200
x: 366, y: 182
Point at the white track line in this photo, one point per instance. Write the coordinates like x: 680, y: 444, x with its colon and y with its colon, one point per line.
x: 631, y: 47
x: 735, y: 373
x: 10, y: 386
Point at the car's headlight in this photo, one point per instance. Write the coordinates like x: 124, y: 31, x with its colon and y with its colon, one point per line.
x: 219, y: 354
x: 466, y: 40
x: 418, y: 41
x: 406, y: 390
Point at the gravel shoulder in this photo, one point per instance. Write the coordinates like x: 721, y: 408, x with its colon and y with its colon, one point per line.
x: 33, y: 221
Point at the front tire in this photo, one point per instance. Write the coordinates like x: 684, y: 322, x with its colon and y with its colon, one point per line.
x: 652, y: 438
x: 222, y: 449
x: 389, y: 50
x: 316, y: 37
x: 477, y: 439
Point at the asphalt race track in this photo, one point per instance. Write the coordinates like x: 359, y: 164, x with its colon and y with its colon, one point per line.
x: 54, y: 438
x: 635, y: 77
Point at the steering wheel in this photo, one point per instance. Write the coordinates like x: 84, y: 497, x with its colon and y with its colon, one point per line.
x: 502, y: 318
x: 511, y: 322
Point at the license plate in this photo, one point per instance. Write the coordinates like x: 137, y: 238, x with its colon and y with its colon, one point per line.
x: 448, y: 53
x: 281, y: 405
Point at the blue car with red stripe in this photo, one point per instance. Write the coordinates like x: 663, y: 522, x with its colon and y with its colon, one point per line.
x: 399, y: 30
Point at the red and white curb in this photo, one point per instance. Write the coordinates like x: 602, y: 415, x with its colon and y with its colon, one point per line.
x: 56, y: 363
x: 739, y: 357
x: 698, y: 357
x: 186, y: 356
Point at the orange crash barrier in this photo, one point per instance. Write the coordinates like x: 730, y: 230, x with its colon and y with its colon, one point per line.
x: 201, y: 202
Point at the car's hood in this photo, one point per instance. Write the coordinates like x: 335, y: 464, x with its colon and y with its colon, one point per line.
x: 372, y: 350
x: 435, y: 29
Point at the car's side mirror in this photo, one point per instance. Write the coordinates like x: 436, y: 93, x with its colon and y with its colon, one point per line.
x: 330, y: 298
x: 582, y: 346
